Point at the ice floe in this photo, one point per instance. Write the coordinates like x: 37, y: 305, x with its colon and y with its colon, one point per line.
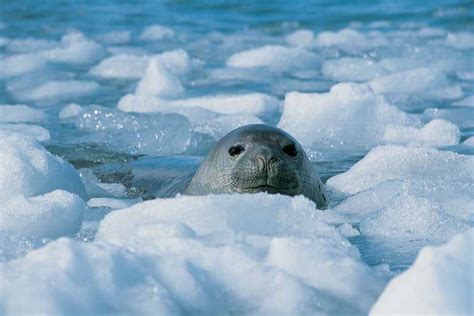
x: 156, y: 32
x: 439, y: 282
x: 17, y: 113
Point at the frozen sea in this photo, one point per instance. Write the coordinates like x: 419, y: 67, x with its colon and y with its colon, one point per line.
x: 108, y: 107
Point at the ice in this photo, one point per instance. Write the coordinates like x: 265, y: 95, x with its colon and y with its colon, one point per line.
x: 409, y: 192
x: 154, y: 134
x: 31, y: 131
x: 50, y: 215
x: 74, y: 48
x: 352, y: 69
x: 278, y: 58
x: 156, y: 33
x: 467, y: 102
x: 463, y: 116
x: 300, y: 38
x: 96, y: 189
x: 116, y: 37
x: 70, y: 110
x: 158, y: 80
x: 461, y: 40
x: 439, y: 282
x: 348, y: 116
x: 259, y: 104
x: 424, y: 82
x: 350, y: 40
x: 111, y: 203
x: 30, y: 45
x: 125, y: 66
x: 438, y: 133
x: 15, y: 65
x: 20, y: 113
x: 469, y: 141
x: 28, y: 169
x: 220, y: 126
x: 59, y: 90
x: 121, y: 67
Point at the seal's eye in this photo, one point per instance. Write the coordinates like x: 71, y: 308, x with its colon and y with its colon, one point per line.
x: 290, y: 150
x: 236, y: 150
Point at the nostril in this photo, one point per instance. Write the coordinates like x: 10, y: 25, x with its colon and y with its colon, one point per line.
x: 261, y: 162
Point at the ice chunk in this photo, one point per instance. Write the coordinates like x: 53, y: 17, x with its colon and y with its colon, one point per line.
x: 258, y: 104
x: 438, y: 132
x: 461, y: 40
x: 213, y: 254
x: 74, y: 48
x: 95, y: 188
x: 59, y: 90
x: 301, y: 38
x: 352, y: 69
x: 156, y: 32
x: 162, y: 134
x: 20, y: 64
x: 51, y: 215
x: 220, y: 126
x: 279, y: 58
x: 159, y: 81
x: 20, y: 113
x: 121, y: 67
x: 469, y: 141
x: 177, y: 61
x: 424, y: 82
x: 468, y: 102
x: 350, y: 40
x: 116, y: 37
x: 31, y: 131
x: 340, y: 118
x: 439, y: 282
x: 397, y: 181
x: 70, y: 110
x: 463, y: 117
x: 30, y: 45
x: 410, y: 217
x: 416, y: 164
x: 28, y: 169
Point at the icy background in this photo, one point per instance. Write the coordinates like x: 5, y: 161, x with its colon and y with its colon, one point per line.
x: 105, y: 104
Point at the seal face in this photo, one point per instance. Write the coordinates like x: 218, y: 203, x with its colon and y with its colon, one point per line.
x: 258, y: 158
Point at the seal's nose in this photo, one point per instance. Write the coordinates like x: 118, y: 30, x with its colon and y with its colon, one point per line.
x: 266, y: 161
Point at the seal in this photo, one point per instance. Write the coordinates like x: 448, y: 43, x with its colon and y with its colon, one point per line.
x: 258, y: 158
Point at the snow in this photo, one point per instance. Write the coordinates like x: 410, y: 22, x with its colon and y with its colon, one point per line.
x: 300, y: 38
x: 349, y: 115
x: 350, y: 40
x: 278, y: 58
x: 70, y: 110
x: 439, y: 282
x: 59, y: 90
x: 159, y: 81
x: 17, y: 113
x: 156, y: 33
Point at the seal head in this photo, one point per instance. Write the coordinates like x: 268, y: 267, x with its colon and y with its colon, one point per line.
x: 258, y: 158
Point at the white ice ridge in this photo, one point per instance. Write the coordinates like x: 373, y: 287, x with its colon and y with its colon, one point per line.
x: 58, y: 90
x: 260, y: 253
x: 441, y: 282
x: 279, y: 58
x: 409, y: 193
x: 353, y: 115
x: 159, y: 81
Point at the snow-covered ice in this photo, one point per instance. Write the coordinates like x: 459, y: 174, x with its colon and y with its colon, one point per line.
x: 439, y: 282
